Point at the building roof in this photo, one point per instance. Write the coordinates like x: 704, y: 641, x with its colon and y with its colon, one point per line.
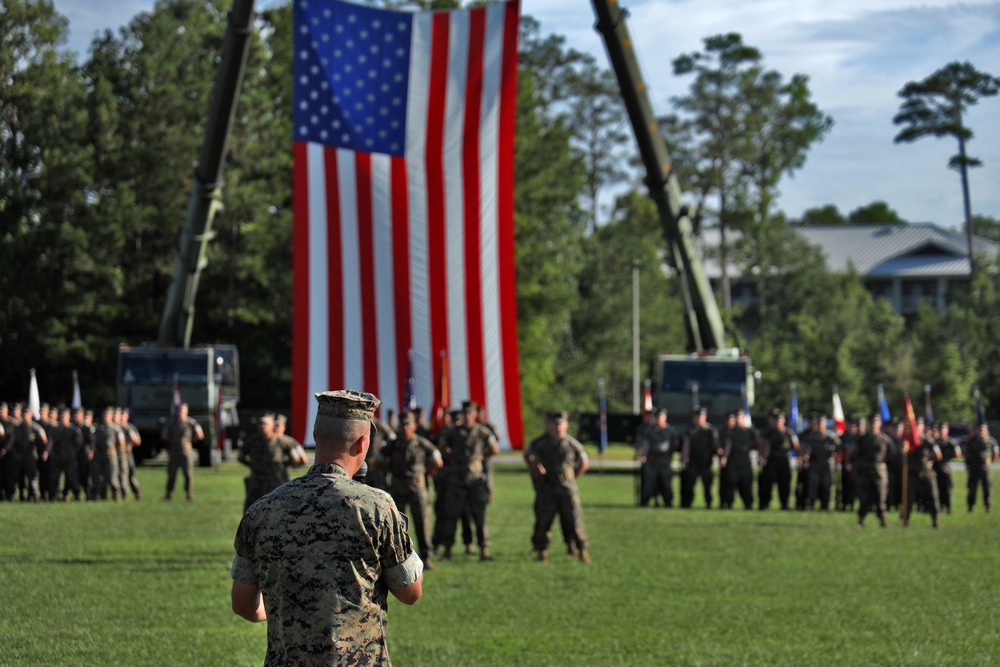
x: 882, y: 250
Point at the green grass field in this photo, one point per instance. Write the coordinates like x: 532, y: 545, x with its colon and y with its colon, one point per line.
x: 148, y: 584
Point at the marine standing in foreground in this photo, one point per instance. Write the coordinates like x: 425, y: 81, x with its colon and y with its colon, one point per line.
x: 316, y: 557
x: 980, y: 452
x: 558, y: 459
x: 872, y: 473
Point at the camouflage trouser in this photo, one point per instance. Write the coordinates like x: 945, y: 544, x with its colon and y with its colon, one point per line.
x: 21, y: 471
x: 979, y: 476
x: 185, y: 462
x: 689, y: 480
x: 466, y: 496
x: 740, y: 480
x: 416, y: 499
x: 923, y: 484
x: 104, y: 473
x: 657, y: 476
x: 945, y: 484
x: 258, y: 486
x: 562, y: 498
x: 64, y: 468
x: 820, y: 484
x: 124, y: 472
x: 873, y: 486
x: 777, y: 470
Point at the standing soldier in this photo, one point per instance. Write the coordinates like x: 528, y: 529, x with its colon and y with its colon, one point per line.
x: 894, y: 464
x: 870, y: 471
x: 558, y: 460
x: 922, y: 480
x: 104, y: 466
x: 950, y: 450
x: 181, y: 432
x: 132, y: 440
x: 467, y: 446
x: 980, y: 452
x: 84, y: 420
x: 296, y: 456
x: 656, y: 458
x: 847, y: 489
x: 67, y: 441
x: 5, y: 430
x: 409, y: 459
x: 701, y: 444
x: 266, y: 454
x: 820, y: 457
x: 739, y: 441
x: 775, y: 444
x: 44, y: 468
x: 24, y: 448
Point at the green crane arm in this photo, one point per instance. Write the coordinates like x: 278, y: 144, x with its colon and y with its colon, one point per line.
x: 178, y: 311
x: 704, y: 324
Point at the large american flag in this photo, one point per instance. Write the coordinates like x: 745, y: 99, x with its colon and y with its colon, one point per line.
x: 404, y: 206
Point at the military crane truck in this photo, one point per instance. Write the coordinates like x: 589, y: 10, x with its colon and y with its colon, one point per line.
x: 712, y: 374
x: 206, y: 376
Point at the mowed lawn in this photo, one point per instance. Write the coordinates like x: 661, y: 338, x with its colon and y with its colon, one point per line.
x: 147, y: 583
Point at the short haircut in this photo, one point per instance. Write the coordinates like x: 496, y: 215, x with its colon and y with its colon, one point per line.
x: 337, y: 434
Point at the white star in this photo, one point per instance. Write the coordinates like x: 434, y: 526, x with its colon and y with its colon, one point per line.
x: 345, y: 137
x: 323, y: 135
x: 303, y: 130
x: 314, y: 70
x: 369, y: 142
x: 376, y: 24
x: 364, y: 34
x: 337, y: 53
x: 303, y: 80
x: 314, y: 120
x: 396, y: 101
x: 314, y: 95
x: 349, y: 43
x: 304, y: 30
x: 400, y: 53
x: 372, y: 73
x: 324, y: 109
x: 402, y: 26
x: 303, y: 105
x: 395, y: 147
x: 327, y: 13
x: 335, y: 124
x: 362, y: 60
x: 351, y: 18
x: 325, y: 37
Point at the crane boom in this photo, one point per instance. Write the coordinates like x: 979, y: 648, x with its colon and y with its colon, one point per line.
x: 704, y: 324
x: 205, y: 202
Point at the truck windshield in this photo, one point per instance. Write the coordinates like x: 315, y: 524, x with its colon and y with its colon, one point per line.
x: 162, y: 368
x: 711, y: 376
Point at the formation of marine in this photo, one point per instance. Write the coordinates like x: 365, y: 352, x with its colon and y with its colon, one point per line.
x: 870, y: 468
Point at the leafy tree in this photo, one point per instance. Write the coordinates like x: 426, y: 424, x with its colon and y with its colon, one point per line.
x: 713, y: 116
x: 878, y: 212
x: 782, y: 122
x: 823, y: 215
x: 935, y: 106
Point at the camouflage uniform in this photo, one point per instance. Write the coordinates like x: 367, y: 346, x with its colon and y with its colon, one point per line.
x: 104, y: 467
x: 407, y: 462
x: 942, y: 470
x: 266, y: 459
x: 776, y: 468
x: 979, y: 454
x: 658, y: 446
x: 181, y: 436
x: 467, y: 485
x: 700, y: 445
x: 558, y: 493
x: 128, y: 477
x: 22, y: 459
x: 66, y: 442
x: 922, y: 481
x: 821, y: 449
x: 324, y: 550
x: 872, y: 474
x: 739, y: 442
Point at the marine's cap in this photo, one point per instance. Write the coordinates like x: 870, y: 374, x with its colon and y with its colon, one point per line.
x: 661, y: 412
x: 3, y: 404
x: 699, y: 411
x: 267, y: 417
x: 455, y: 413
x: 348, y: 404
x: 280, y: 420
x: 557, y: 416
x: 469, y: 406
x: 407, y: 418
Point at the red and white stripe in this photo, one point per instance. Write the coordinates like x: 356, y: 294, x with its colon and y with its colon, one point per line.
x: 394, y: 254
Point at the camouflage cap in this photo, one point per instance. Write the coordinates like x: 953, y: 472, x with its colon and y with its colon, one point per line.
x: 407, y: 418
x: 469, y: 406
x: 267, y: 417
x: 347, y: 404
x: 280, y: 420
x: 776, y: 413
x: 557, y: 416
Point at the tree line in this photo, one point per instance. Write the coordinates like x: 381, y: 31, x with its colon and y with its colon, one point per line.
x: 96, y: 161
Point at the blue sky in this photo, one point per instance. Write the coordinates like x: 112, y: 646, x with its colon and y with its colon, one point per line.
x: 857, y: 54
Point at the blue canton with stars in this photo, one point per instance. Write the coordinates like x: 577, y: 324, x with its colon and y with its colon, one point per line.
x: 351, y: 69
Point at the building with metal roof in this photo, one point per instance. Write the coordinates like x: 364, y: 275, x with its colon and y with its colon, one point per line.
x: 903, y: 263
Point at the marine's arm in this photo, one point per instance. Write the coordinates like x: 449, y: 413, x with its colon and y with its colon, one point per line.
x: 248, y: 602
